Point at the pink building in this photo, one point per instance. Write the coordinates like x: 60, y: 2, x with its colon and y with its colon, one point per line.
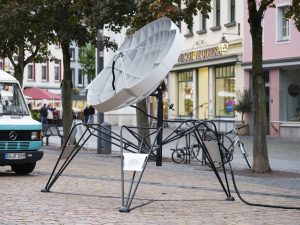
x: 281, y: 63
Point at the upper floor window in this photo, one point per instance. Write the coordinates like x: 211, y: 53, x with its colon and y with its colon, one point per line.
x: 73, y: 76
x: 283, y: 24
x: 44, y: 72
x: 217, y: 13
x: 202, y: 22
x: 57, y: 70
x: 30, y: 71
x: 232, y: 11
x: 80, y: 77
x: 72, y: 54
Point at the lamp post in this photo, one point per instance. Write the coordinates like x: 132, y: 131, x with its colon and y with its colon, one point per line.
x: 100, y: 116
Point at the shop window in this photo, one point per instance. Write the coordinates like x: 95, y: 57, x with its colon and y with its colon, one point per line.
x: 290, y: 95
x: 185, y: 93
x: 225, y: 90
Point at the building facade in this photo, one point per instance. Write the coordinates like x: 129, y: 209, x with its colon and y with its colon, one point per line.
x: 204, y: 81
x: 281, y: 63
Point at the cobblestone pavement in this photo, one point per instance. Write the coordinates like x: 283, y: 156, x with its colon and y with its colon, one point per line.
x: 88, y: 192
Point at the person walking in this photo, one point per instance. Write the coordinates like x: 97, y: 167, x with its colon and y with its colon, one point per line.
x: 44, y: 114
x: 86, y: 114
x: 91, y: 113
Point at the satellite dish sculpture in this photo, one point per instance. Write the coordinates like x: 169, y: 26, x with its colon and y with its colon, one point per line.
x: 141, y: 63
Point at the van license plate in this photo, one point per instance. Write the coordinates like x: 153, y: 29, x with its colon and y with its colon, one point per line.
x: 15, y: 156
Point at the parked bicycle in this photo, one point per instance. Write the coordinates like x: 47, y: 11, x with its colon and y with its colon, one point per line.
x: 238, y: 142
x: 230, y: 140
x: 186, y: 149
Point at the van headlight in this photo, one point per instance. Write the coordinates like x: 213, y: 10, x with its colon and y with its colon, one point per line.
x: 34, y: 135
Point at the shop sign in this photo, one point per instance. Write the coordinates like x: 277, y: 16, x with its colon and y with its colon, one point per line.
x: 199, y: 54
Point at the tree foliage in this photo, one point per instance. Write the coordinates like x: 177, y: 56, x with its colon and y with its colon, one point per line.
x: 294, y: 13
x: 23, y: 34
x: 87, y: 60
x: 78, y: 21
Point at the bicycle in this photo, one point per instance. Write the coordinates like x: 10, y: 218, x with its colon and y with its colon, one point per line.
x: 228, y: 147
x: 188, y: 152
x: 237, y: 141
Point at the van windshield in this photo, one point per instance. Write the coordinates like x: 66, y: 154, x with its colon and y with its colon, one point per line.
x: 12, y: 101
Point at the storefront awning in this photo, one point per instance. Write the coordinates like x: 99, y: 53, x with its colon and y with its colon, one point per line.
x: 36, y: 93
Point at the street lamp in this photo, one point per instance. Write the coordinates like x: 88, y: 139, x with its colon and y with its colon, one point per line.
x: 224, y: 44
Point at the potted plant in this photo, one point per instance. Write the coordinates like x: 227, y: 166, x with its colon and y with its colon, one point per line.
x: 243, y: 105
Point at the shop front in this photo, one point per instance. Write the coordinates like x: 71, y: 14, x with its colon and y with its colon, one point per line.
x: 202, y: 85
x: 283, y: 97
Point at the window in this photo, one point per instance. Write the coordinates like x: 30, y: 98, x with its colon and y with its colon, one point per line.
x: 202, y: 22
x: 73, y: 76
x: 57, y: 70
x: 217, y: 13
x: 189, y: 32
x: 283, y: 24
x: 72, y: 54
x: 232, y: 11
x: 30, y: 72
x: 80, y: 77
x: 290, y: 95
x: 185, y: 93
x: 225, y: 90
x: 44, y: 72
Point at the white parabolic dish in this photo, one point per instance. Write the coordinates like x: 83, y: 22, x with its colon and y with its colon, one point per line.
x: 141, y: 63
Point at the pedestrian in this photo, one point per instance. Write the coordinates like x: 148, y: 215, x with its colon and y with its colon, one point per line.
x: 50, y: 115
x: 55, y: 116
x: 91, y: 113
x: 86, y: 114
x: 44, y: 114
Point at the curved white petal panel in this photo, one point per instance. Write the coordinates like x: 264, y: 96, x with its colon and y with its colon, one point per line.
x: 141, y: 63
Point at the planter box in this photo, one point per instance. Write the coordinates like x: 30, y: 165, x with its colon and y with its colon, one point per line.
x: 242, y: 129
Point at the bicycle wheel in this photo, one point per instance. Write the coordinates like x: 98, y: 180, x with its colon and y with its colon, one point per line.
x: 178, y: 155
x: 243, y: 151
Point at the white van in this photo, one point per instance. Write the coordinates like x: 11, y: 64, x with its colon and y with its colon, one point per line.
x: 20, y: 135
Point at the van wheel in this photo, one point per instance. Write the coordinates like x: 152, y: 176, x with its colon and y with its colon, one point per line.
x: 23, y: 169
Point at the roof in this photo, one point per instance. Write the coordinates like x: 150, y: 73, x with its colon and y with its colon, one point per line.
x: 40, y: 94
x: 6, y: 77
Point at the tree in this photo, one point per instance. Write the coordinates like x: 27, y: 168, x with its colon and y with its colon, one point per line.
x: 78, y: 21
x: 23, y: 34
x: 244, y: 103
x: 87, y: 60
x: 256, y: 10
x: 294, y: 13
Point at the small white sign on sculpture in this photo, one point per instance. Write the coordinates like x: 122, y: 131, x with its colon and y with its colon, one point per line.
x: 134, y: 161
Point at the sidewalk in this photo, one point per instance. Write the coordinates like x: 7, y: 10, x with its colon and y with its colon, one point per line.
x: 284, y: 154
x: 89, y: 190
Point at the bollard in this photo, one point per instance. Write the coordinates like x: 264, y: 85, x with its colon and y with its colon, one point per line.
x: 106, y: 138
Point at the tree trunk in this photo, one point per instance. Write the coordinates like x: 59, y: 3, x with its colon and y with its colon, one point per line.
x: 66, y: 91
x: 19, y: 67
x: 260, y: 151
x: 19, y: 71
x: 142, y: 119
